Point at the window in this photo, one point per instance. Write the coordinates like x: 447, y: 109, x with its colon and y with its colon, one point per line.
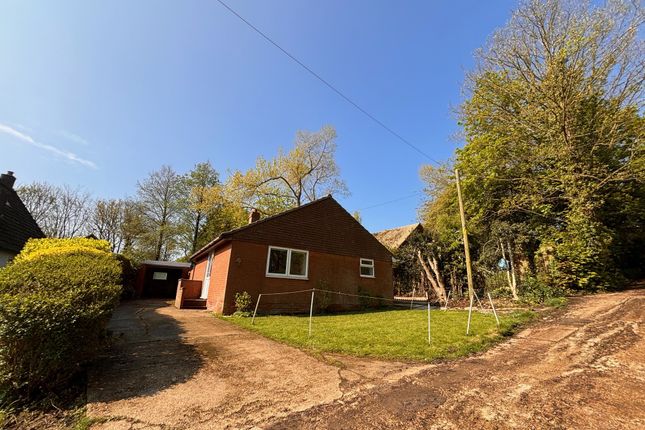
x: 287, y: 263
x: 367, y: 268
x: 160, y: 276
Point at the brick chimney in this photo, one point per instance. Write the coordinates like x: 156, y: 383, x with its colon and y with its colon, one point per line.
x: 7, y: 179
x: 254, y: 216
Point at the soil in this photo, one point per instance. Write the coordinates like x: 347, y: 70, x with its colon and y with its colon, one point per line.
x: 582, y: 367
x: 579, y: 367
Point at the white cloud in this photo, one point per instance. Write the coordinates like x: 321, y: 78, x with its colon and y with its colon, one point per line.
x: 54, y: 150
x: 73, y: 137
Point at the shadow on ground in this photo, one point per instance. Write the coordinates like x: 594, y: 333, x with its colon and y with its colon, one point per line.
x: 148, y: 354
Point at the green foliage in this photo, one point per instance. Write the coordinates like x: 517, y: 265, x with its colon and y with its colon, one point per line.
x: 537, y: 291
x: 54, y: 304
x: 553, y: 160
x: 242, y: 302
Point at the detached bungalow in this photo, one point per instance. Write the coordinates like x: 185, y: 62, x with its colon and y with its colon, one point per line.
x: 317, y: 245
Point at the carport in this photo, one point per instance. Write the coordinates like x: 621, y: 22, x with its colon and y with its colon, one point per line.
x: 158, y: 279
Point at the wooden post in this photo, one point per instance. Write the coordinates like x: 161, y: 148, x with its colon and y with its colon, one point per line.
x: 311, y: 310
x: 462, y: 214
x: 256, y: 309
x: 494, y: 311
x: 512, y: 268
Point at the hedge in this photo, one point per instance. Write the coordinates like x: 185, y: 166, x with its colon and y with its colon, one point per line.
x: 55, y: 300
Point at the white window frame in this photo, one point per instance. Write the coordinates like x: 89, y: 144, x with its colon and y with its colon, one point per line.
x: 288, y: 269
x: 370, y: 265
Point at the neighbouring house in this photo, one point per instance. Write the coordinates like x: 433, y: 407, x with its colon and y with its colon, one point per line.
x: 318, y: 245
x: 395, y: 238
x: 159, y: 279
x: 16, y: 223
x: 407, y: 273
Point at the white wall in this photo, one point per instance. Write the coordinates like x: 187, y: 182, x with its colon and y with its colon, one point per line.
x: 5, y: 257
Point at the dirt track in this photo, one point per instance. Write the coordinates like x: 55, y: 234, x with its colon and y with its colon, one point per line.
x: 581, y: 368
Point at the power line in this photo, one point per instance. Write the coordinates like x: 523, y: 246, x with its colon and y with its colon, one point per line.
x: 328, y: 84
x: 416, y: 193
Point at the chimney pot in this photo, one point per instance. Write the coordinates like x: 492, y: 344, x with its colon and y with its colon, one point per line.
x: 8, y: 179
x: 254, y: 216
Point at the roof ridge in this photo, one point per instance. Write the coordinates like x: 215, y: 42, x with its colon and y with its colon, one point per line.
x: 260, y: 221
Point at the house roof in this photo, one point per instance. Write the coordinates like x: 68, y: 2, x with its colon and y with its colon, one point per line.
x: 322, y: 225
x: 16, y: 223
x: 395, y: 237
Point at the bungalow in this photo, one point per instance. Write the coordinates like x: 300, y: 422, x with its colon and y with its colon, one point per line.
x: 317, y: 245
x: 16, y: 223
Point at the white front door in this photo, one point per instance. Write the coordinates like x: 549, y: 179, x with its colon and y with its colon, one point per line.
x: 207, y: 276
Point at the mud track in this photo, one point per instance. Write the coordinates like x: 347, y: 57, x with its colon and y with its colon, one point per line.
x: 582, y: 367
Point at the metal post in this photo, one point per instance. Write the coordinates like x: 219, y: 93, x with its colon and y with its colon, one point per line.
x: 447, y: 300
x: 470, y: 311
x: 493, y: 306
x: 428, y: 321
x: 412, y: 301
x: 256, y: 309
x: 311, y: 310
x: 462, y: 214
x: 481, y: 308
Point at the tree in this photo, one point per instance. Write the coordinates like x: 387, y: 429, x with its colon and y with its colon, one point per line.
x: 553, y: 131
x: 59, y: 211
x: 302, y: 175
x: 106, y: 222
x: 160, y: 199
x: 198, y: 182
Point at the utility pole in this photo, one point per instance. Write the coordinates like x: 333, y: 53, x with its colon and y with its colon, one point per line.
x: 469, y: 271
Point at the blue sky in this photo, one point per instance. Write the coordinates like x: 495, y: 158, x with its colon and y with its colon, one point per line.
x: 98, y: 94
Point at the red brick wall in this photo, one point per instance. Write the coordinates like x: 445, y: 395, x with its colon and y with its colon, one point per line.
x: 219, y: 276
x: 247, y: 272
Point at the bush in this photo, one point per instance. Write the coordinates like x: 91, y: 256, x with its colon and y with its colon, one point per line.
x: 242, y: 302
x: 54, y: 304
x: 537, y: 291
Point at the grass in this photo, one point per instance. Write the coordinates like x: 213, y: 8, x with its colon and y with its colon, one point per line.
x: 394, y: 334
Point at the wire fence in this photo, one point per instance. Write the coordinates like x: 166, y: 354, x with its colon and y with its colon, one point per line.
x: 350, y: 302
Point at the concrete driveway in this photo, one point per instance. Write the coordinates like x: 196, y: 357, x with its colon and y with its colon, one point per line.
x: 187, y: 369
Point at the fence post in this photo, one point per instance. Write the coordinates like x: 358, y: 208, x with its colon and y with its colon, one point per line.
x: 494, y: 311
x: 256, y: 309
x: 470, y: 311
x: 428, y: 321
x: 311, y: 310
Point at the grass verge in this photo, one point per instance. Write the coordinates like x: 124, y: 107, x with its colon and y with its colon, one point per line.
x: 393, y: 334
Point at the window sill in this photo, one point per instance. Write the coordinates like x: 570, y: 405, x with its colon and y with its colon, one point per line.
x: 301, y: 278
x: 368, y: 276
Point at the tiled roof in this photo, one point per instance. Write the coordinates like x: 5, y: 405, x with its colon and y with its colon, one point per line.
x: 16, y: 223
x: 322, y: 225
x: 395, y: 237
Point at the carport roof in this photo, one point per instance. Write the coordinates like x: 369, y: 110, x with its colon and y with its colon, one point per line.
x: 167, y: 264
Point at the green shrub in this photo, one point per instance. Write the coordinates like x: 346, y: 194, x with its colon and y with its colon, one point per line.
x: 242, y: 302
x: 54, y: 304
x: 537, y: 291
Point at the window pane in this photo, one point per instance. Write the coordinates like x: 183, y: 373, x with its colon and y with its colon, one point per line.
x: 298, y: 263
x: 367, y: 271
x: 278, y: 261
x: 160, y: 276
x: 366, y: 262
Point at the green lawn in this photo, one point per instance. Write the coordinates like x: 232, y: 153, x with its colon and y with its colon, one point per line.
x: 398, y: 334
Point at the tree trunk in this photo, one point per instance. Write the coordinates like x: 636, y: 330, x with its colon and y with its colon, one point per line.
x: 431, y: 269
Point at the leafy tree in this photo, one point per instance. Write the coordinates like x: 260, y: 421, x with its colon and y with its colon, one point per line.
x: 197, y: 184
x: 554, y: 151
x: 304, y: 174
x: 160, y: 201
